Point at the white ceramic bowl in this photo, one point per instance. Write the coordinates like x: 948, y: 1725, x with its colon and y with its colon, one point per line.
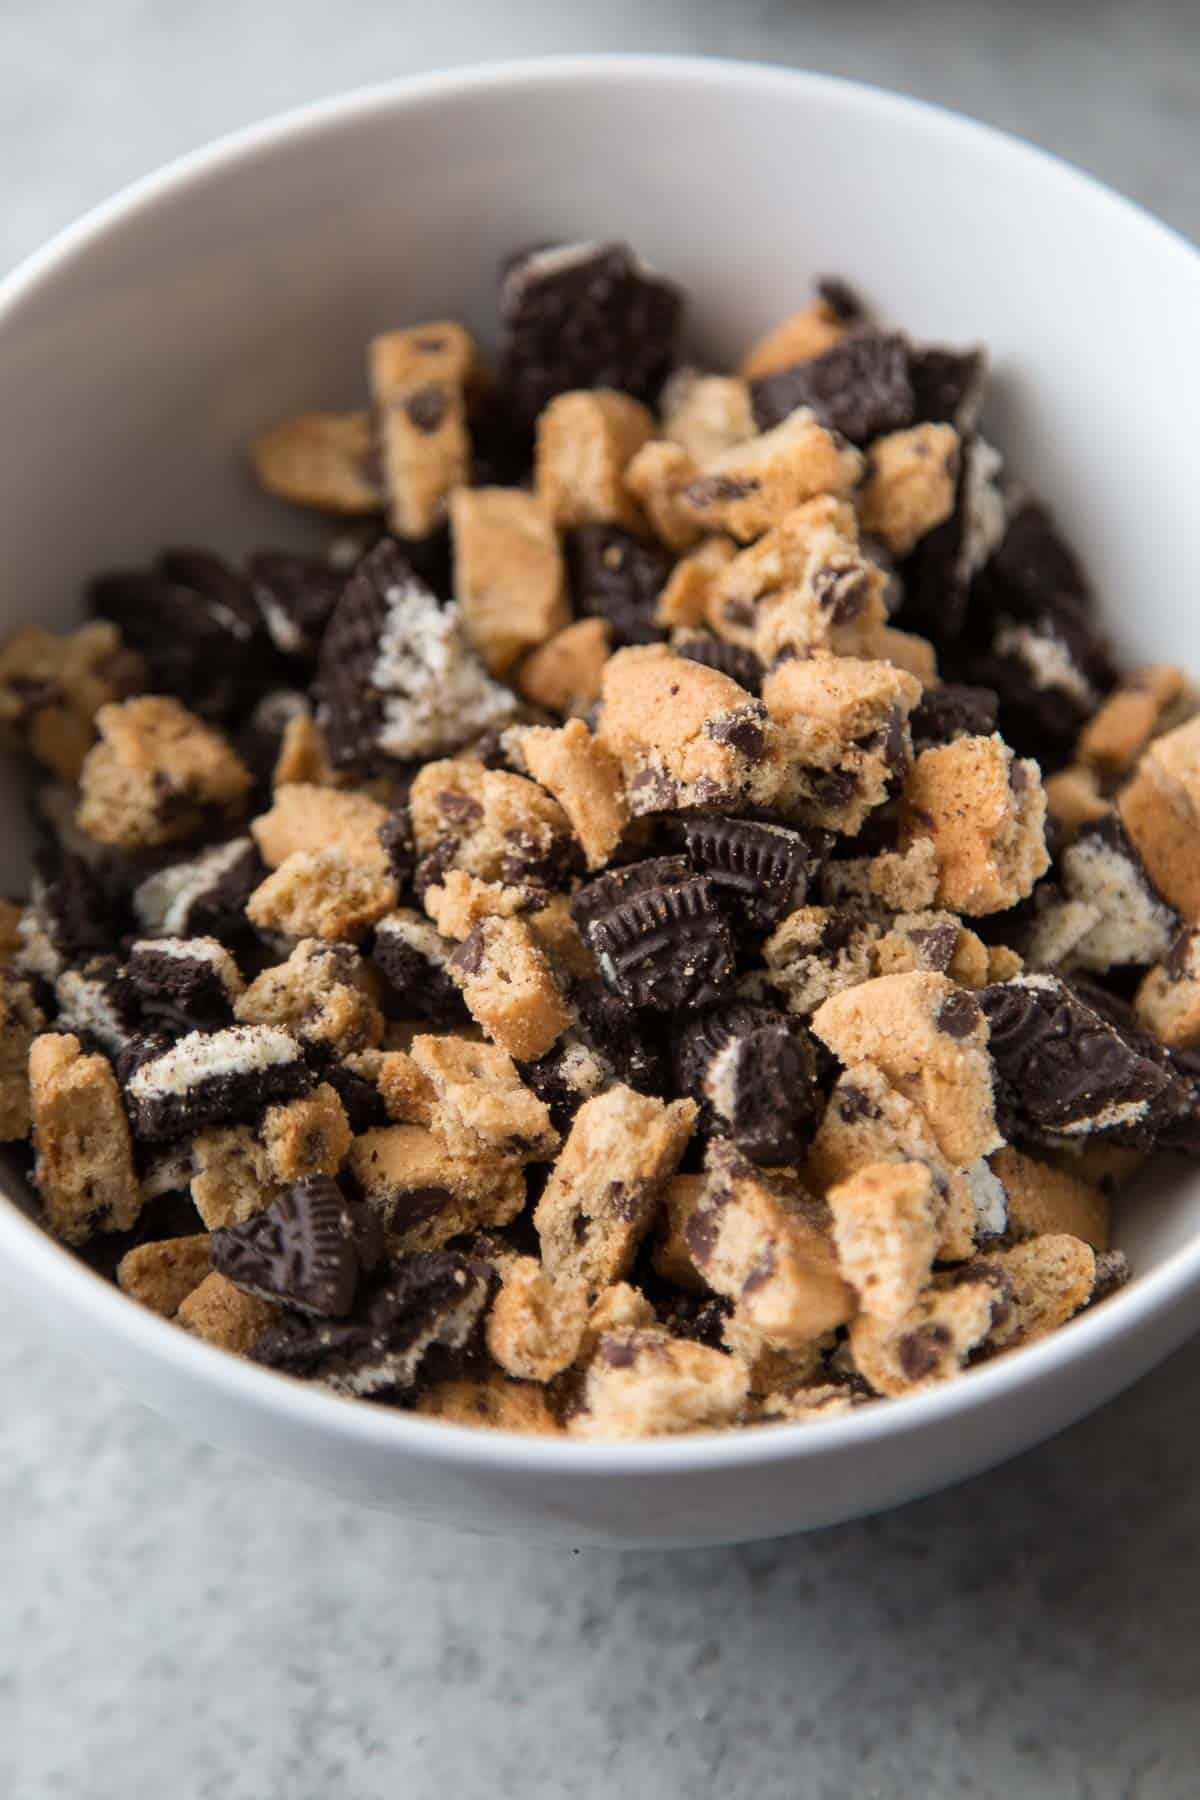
x: 146, y: 343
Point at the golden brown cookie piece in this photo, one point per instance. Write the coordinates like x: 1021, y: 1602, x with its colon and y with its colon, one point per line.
x: 912, y: 476
x: 322, y: 460
x: 493, y: 824
x: 804, y: 587
x: 491, y: 1400
x: 231, y: 1175
x: 816, y: 952
x: 161, y: 1275
x: 536, y: 1325
x: 1044, y: 1199
x: 304, y: 816
x: 1168, y: 1000
x: 1147, y: 703
x: 645, y: 1383
x: 672, y: 1256
x: 906, y: 881
x: 619, y: 1307
x: 657, y: 478
x: 797, y: 338
x: 759, y: 1238
x: 223, y: 1315
x: 158, y: 775
x: 481, y: 1106
x: 689, y: 592
x: 308, y: 1136
x: 886, y: 1229
x: 563, y: 674
x: 706, y: 414
x: 929, y: 1038
x: 585, y: 441
x: 406, y: 1092
x: 21, y: 1019
x: 930, y: 1344
x: 1074, y: 798
x: 419, y: 381
x: 321, y: 894
x: 807, y: 1404
x: 461, y: 902
x: 84, y: 1168
x: 1049, y: 1278
x: 984, y: 810
x: 905, y: 649
x: 304, y: 756
x: 52, y: 687
x: 607, y: 1184
x: 324, y: 994
x: 509, y: 577
x: 683, y: 734
x: 510, y: 988
x: 843, y: 733
x: 752, y: 487
x: 585, y: 778
x: 425, y: 1194
x: 1160, y: 809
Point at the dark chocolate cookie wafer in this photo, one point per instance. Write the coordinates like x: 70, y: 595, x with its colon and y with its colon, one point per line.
x: 741, y: 665
x: 295, y: 596
x: 307, y: 1249
x: 668, y: 948
x: 217, y: 1078
x: 760, y: 871
x: 421, y: 1321
x: 584, y: 316
x: 412, y: 956
x: 755, y: 1072
x: 617, y: 577
x: 860, y: 387
x: 183, y: 984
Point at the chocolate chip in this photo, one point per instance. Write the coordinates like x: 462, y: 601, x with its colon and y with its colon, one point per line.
x: 468, y: 959
x: 763, y: 869
x: 299, y: 1250
x: 853, y: 1105
x: 584, y: 316
x: 958, y: 1015
x: 427, y: 407
x: 711, y: 490
x: 421, y: 1321
x: 919, y: 1352
x: 668, y: 947
x: 936, y: 944
x: 859, y: 388
x: 741, y: 665
x: 761, y: 1272
x: 840, y: 298
x: 615, y: 576
x: 841, y: 588
x: 744, y: 730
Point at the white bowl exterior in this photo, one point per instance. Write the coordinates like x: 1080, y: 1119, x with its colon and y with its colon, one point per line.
x: 138, y: 351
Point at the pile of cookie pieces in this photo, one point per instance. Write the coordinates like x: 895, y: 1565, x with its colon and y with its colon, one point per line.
x: 675, y: 922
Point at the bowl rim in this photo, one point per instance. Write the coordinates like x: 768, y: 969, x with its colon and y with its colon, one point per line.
x: 26, y: 1247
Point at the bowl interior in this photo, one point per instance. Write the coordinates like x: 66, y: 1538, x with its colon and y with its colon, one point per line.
x: 139, y: 355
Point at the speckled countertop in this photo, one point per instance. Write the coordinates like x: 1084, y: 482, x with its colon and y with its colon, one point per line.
x: 174, y: 1622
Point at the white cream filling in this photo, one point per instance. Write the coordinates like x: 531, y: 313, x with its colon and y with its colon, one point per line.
x: 1047, y: 661
x: 437, y: 693
x: 202, y: 1056
x: 163, y: 901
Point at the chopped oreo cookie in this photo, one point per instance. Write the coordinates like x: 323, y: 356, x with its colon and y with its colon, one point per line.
x: 754, y: 1071
x: 295, y: 596
x: 217, y: 1078
x: 595, y: 898
x: 70, y: 916
x: 938, y: 576
x: 668, y: 948
x: 396, y: 836
x: 260, y: 738
x: 948, y: 385
x: 583, y: 316
x: 760, y: 871
x: 183, y: 984
x: 952, y: 711
x: 1064, y: 1070
x: 397, y: 676
x: 420, y: 1322
x: 412, y: 957
x: 860, y: 388
x: 360, y: 1098
x: 616, y: 576
x: 307, y: 1249
x: 100, y: 1004
x: 203, y: 897
x: 735, y: 660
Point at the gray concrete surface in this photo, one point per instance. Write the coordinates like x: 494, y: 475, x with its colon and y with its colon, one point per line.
x: 174, y: 1622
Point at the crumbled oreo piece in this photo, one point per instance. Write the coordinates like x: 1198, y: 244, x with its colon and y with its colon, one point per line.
x: 295, y: 596
x: 70, y: 917
x: 302, y: 1249
x: 422, y: 1320
x: 741, y: 665
x: 1063, y: 1069
x: 361, y: 1099
x: 203, y: 897
x: 760, y: 871
x: 413, y: 958
x: 1112, y: 1272
x: 859, y: 388
x: 952, y: 711
x: 622, y: 1039
x: 1134, y: 925
x: 396, y: 675
x: 939, y: 575
x: 841, y: 299
x: 701, y: 1318
x: 100, y: 1004
x: 583, y: 316
x: 667, y: 947
x: 183, y: 984
x: 754, y: 1071
x: 259, y: 740
x: 1049, y: 675
x: 218, y: 1078
x: 598, y: 897
x: 947, y: 385
x: 615, y: 576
